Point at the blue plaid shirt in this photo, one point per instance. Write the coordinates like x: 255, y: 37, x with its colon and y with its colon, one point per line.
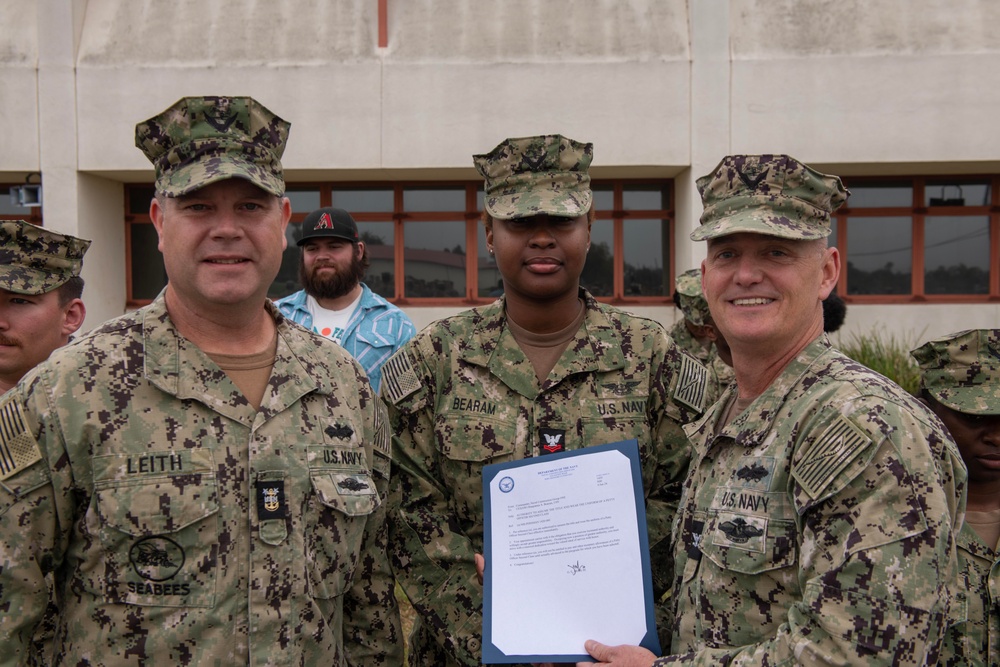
x: 375, y: 331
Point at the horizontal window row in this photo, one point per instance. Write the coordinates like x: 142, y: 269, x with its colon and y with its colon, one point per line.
x: 901, y: 240
x: 427, y: 243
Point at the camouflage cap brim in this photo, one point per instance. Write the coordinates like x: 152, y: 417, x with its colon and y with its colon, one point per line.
x: 761, y: 221
x: 22, y: 280
x: 525, y: 204
x: 219, y: 163
x: 979, y: 400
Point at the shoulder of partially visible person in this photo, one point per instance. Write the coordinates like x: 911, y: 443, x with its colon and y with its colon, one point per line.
x: 387, y: 319
x: 971, y: 643
x: 846, y: 411
x: 681, y: 379
x: 292, y: 300
x: 293, y: 306
x: 682, y: 337
x: 410, y: 376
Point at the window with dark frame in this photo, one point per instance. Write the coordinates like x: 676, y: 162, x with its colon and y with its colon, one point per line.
x: 427, y: 246
x: 925, y: 239
x: 11, y: 211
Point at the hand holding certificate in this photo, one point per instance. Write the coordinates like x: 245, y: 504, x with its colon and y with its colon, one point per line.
x: 567, y: 557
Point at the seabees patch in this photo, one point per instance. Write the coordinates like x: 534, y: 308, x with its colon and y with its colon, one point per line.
x: 829, y: 455
x: 399, y: 380
x: 18, y: 447
x: 692, y: 383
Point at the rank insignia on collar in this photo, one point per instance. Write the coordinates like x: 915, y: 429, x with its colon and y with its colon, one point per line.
x: 271, y: 500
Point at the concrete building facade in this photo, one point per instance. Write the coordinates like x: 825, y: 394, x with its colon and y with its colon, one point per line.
x: 898, y: 96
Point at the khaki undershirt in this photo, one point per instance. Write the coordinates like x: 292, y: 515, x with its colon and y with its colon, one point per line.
x: 250, y: 372
x: 986, y: 525
x: 733, y: 409
x: 544, y: 350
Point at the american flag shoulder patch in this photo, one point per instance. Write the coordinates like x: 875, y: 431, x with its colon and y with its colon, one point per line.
x: 18, y: 447
x: 829, y: 455
x: 399, y: 380
x: 692, y: 383
x: 382, y: 436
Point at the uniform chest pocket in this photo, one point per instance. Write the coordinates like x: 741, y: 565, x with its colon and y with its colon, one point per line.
x: 341, y: 503
x: 161, y: 540
x: 749, y: 544
x: 467, y: 444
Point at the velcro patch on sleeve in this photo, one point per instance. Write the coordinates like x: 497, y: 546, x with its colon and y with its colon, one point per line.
x: 382, y: 435
x: 18, y: 447
x: 829, y: 455
x: 399, y: 380
x: 692, y: 383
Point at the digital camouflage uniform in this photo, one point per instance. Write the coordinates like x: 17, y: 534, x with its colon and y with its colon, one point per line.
x: 462, y: 395
x: 33, y: 261
x: 819, y: 525
x: 695, y: 310
x: 816, y: 527
x: 962, y: 371
x: 182, y: 525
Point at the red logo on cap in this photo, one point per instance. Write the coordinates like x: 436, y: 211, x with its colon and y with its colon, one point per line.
x: 325, y: 222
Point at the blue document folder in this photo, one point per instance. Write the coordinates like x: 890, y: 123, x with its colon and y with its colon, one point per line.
x: 509, y: 478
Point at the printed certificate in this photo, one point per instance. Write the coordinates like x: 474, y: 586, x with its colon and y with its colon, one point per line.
x: 567, y: 556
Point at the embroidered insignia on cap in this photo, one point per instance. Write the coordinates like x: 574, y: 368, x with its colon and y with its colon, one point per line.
x: 751, y: 176
x: 692, y: 383
x: 829, y: 455
x: 18, y: 448
x: 325, y: 222
x: 399, y: 380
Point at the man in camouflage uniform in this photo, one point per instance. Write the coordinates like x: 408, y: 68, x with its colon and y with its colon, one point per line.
x: 40, y: 289
x: 697, y: 334
x: 204, y: 479
x: 544, y: 369
x: 819, y: 521
x: 960, y: 381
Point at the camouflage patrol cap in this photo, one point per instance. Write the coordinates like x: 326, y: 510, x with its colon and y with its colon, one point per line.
x: 532, y: 175
x: 201, y: 140
x: 35, y: 260
x: 692, y: 301
x: 767, y: 194
x: 962, y: 370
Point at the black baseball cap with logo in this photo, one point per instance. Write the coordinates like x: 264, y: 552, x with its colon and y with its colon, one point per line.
x: 329, y: 223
